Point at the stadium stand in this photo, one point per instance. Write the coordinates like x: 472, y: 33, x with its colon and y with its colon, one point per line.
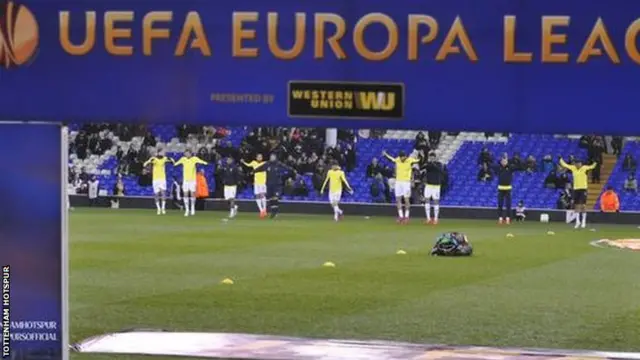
x: 459, y: 152
x: 628, y: 200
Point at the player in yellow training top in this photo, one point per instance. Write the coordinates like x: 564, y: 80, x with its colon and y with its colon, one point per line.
x: 335, y: 178
x: 259, y: 183
x: 580, y: 187
x: 189, y: 163
x: 403, y: 179
x: 159, y: 179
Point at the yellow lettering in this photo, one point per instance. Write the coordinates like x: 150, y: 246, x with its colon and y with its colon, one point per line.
x: 149, y: 32
x: 510, y: 53
x: 598, y: 33
x: 89, y: 37
x: 630, y: 41
x: 549, y: 38
x: 111, y: 33
x: 373, y: 101
x: 299, y: 37
x: 414, y: 23
x: 458, y: 32
x: 193, y: 26
x: 392, y: 37
x: 240, y: 34
x: 320, y: 21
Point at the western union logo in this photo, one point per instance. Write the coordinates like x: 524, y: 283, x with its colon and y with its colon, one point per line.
x: 354, y: 100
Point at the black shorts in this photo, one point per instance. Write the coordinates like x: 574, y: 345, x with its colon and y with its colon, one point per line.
x: 273, y: 191
x: 580, y: 197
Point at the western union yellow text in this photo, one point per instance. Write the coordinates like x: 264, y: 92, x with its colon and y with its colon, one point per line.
x: 339, y: 100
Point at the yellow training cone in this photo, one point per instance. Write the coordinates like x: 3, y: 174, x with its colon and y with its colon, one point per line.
x: 510, y: 235
x: 227, y: 281
x: 401, y: 252
x: 550, y: 233
x: 329, y: 264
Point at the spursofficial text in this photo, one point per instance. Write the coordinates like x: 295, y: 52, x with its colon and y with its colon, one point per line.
x: 328, y: 35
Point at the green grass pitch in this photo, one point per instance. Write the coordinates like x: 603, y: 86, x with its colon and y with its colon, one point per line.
x: 131, y: 268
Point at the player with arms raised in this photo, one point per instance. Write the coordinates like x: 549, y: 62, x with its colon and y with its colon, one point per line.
x: 259, y: 183
x: 335, y: 178
x: 404, y: 170
x: 159, y: 179
x: 189, y: 169
x: 580, y: 187
x: 433, y: 175
x: 230, y: 179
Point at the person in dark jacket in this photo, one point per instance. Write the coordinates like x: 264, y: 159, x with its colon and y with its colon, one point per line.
x: 231, y: 178
x: 176, y: 193
x: 484, y: 174
x: 275, y: 171
x: 504, y: 172
x: 629, y: 163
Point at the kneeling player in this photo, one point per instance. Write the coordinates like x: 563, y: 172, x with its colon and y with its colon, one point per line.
x: 230, y: 179
x: 335, y: 178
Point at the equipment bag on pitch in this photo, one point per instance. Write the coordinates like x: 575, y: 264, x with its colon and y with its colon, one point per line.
x: 452, y: 244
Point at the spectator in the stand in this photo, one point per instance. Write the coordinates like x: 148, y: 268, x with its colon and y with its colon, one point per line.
x: 565, y: 200
x: 550, y: 180
x: 205, y: 154
x: 83, y: 176
x: 609, y: 201
x: 289, y: 188
x: 616, y: 145
x: 118, y: 192
x: 485, y: 157
x: 585, y: 141
x: 516, y: 162
x: 631, y: 183
x: 350, y: 157
x: 119, y: 154
x: 629, y: 163
x: 595, y: 151
x: 106, y: 143
x: 562, y: 179
x: 531, y: 164
x: 145, y: 178
x: 292, y: 163
x: 571, y: 160
x: 547, y: 164
x: 421, y: 142
x: 377, y: 189
x: 319, y: 176
x: 434, y: 139
x: 300, y: 187
x: 82, y: 145
x: 374, y: 168
x: 484, y: 174
x: 149, y: 140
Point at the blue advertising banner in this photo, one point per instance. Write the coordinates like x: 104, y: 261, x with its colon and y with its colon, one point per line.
x: 504, y: 65
x: 31, y: 246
